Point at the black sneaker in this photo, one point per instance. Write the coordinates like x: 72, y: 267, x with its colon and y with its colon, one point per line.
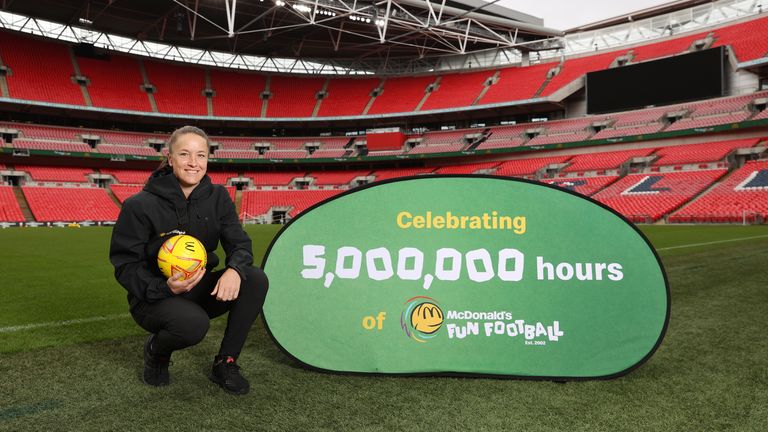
x: 155, y: 367
x: 226, y: 373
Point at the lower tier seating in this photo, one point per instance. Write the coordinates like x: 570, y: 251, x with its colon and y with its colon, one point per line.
x: 257, y: 203
x: 583, y: 185
x: 9, y: 207
x: 648, y: 197
x: 743, y: 195
x: 50, y: 204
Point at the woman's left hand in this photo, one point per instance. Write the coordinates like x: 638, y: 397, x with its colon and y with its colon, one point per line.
x: 228, y: 286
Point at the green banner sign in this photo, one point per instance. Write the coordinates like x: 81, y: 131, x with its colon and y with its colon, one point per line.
x: 466, y: 275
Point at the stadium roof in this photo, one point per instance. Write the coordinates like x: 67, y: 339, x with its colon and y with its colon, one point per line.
x: 362, y: 31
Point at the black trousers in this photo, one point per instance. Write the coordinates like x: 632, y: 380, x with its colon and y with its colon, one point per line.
x: 183, y: 320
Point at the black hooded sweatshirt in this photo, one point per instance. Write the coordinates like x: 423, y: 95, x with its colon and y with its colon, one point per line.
x: 161, y: 210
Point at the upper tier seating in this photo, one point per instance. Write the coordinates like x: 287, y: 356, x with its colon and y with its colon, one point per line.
x: 115, y: 83
x: 45, y: 76
x: 179, y: 88
x: 603, y: 160
x: 347, y: 97
x: 50, y: 204
x: 575, y: 68
x: 401, y: 94
x: 583, y: 185
x: 648, y: 197
x: 696, y: 153
x: 743, y: 195
x: 259, y: 202
x: 517, y: 83
x: 237, y: 94
x: 747, y: 39
x: 666, y: 48
x: 9, y: 207
x: 457, y: 90
x: 56, y: 174
x: 293, y: 96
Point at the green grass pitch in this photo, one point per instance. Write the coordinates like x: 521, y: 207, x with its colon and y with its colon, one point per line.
x: 82, y: 374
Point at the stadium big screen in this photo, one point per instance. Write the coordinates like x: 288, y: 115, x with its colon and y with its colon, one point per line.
x: 698, y: 75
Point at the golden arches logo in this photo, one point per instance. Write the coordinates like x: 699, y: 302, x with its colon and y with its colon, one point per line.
x: 422, y: 317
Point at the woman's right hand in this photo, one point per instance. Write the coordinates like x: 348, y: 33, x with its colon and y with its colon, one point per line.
x: 181, y: 286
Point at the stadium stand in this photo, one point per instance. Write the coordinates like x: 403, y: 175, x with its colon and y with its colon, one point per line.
x: 258, y: 203
x: 115, y: 82
x: 386, y: 174
x: 742, y: 197
x: 46, y: 76
x: 648, y: 197
x: 401, y: 95
x: 24, y: 143
x: 337, y: 177
x: 725, y: 105
x: 126, y: 149
x: 9, y: 207
x: 603, y: 160
x: 274, y: 178
x: 678, y: 45
x: 50, y: 133
x: 135, y: 177
x: 221, y: 178
x: 468, y: 168
x: 285, y: 154
x: 293, y: 96
x: 583, y: 185
x: 237, y: 154
x: 125, y: 138
x: 457, y: 90
x: 329, y: 153
x: 516, y: 83
x: 557, y: 138
x: 178, y: 89
x: 51, y: 204
x: 708, y: 120
x: 237, y: 94
x: 347, y: 97
x: 695, y: 153
x: 631, y: 130
x: 747, y: 39
x: 56, y: 174
x: 575, y: 68
x: 528, y: 167
x: 122, y: 192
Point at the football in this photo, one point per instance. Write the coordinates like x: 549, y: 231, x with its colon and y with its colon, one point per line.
x: 181, y: 254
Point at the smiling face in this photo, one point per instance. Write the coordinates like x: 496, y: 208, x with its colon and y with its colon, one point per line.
x: 189, y: 159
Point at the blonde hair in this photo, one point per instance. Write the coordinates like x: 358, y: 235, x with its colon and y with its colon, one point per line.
x: 175, y: 137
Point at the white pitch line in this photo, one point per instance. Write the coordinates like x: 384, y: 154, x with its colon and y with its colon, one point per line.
x: 711, y: 243
x: 13, y: 329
